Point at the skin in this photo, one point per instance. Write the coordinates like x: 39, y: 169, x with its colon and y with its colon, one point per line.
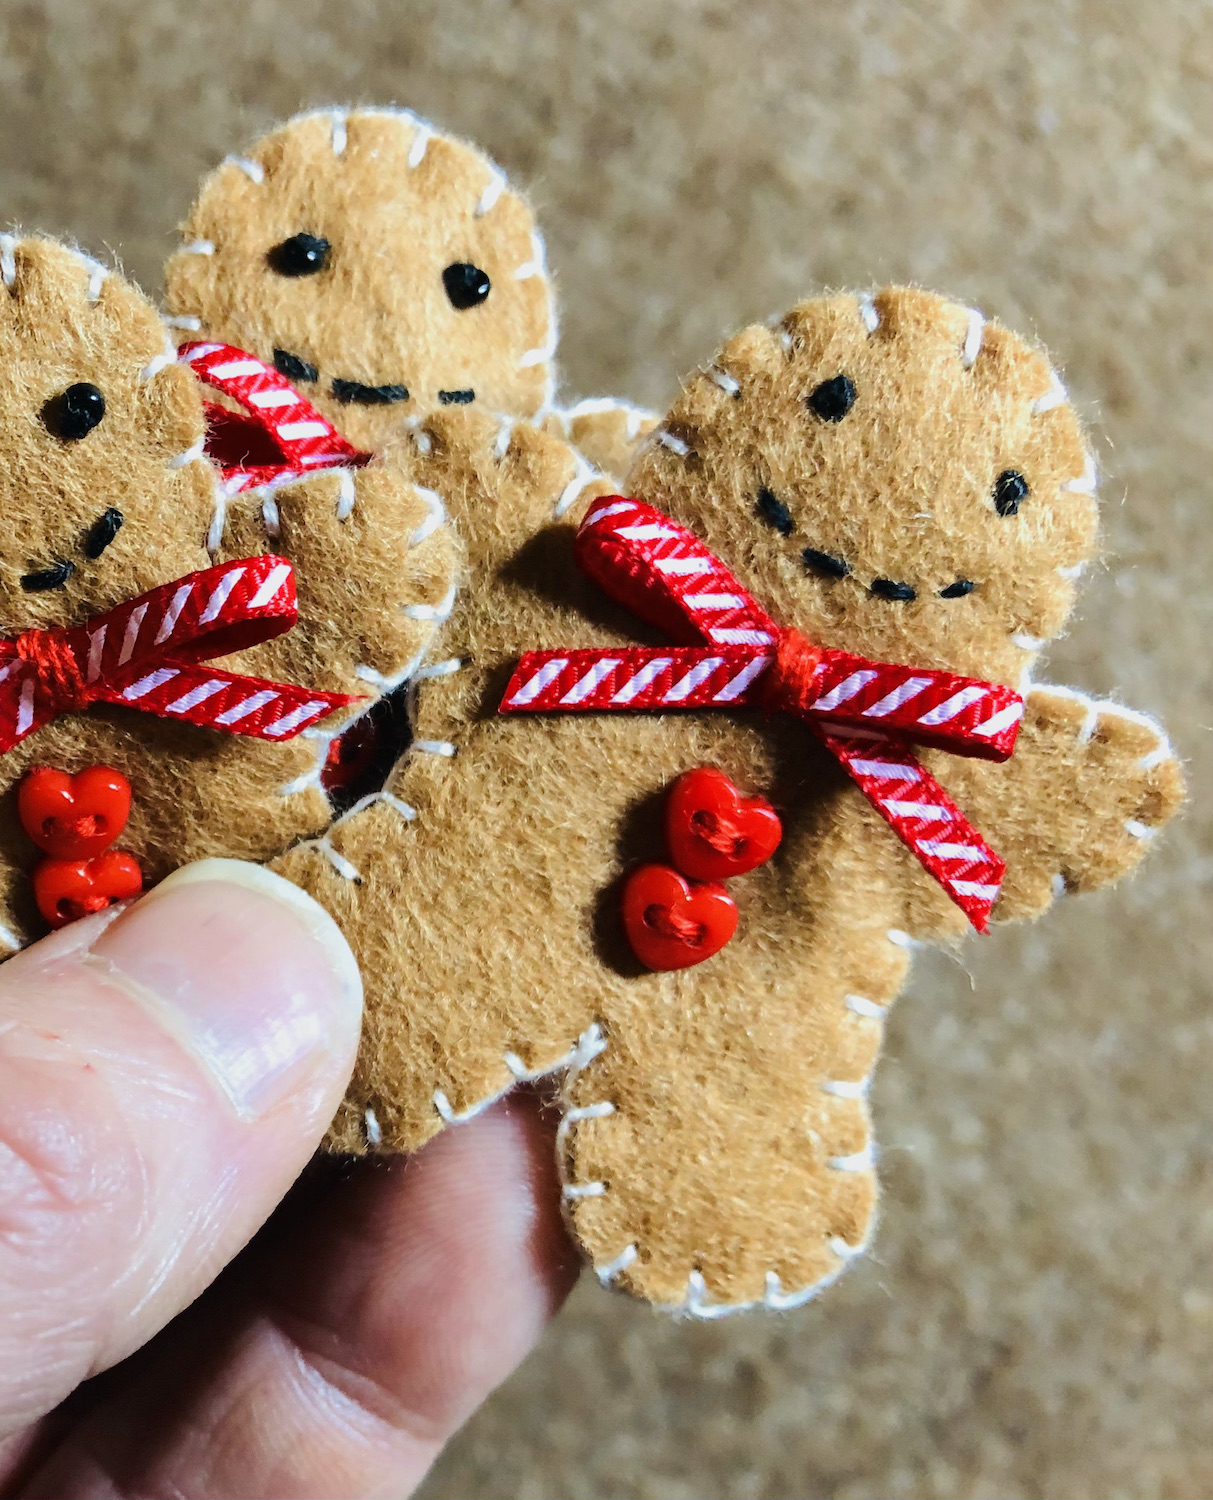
x: 370, y: 1316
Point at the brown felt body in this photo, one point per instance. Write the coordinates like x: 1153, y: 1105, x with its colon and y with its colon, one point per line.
x: 718, y: 1144
x: 398, y: 202
x: 197, y: 792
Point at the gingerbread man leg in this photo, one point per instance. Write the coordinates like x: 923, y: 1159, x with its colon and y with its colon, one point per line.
x: 730, y: 1162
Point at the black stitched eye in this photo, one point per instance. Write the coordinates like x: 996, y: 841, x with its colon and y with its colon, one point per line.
x: 102, y: 532
x: 825, y: 563
x: 466, y: 285
x: 772, y: 509
x: 293, y: 367
x: 832, y: 399
x: 73, y: 413
x: 1010, y: 491
x: 958, y: 590
x: 301, y: 255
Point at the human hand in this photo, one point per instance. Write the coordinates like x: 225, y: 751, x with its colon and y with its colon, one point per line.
x: 165, y: 1074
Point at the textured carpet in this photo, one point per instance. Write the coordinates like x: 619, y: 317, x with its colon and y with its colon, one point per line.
x: 1037, y: 1315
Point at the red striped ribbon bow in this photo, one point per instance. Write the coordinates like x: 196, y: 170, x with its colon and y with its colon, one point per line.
x: 283, y: 437
x: 866, y: 713
x: 148, y: 652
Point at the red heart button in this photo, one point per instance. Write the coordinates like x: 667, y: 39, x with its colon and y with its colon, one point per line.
x: 66, y: 889
x: 712, y: 831
x: 72, y: 817
x: 671, y: 923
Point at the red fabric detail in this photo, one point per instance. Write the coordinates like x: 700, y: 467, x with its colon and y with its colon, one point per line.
x: 147, y: 654
x: 788, y: 685
x: 671, y: 923
x: 53, y: 665
x: 712, y: 831
x: 73, y: 817
x: 866, y: 713
x: 67, y: 889
x: 283, y: 433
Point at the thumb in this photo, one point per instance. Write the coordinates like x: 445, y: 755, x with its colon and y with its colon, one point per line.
x: 165, y: 1072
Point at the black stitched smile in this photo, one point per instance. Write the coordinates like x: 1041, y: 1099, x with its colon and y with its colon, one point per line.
x: 885, y: 588
x: 825, y: 563
x: 102, y: 532
x: 293, y: 367
x: 54, y: 577
x: 351, y: 391
x: 456, y: 398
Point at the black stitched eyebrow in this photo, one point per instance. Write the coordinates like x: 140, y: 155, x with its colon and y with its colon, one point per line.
x: 772, y: 509
x: 102, y: 532
x: 293, y: 367
x: 958, y: 590
x: 53, y: 577
x: 886, y: 588
x: 457, y: 398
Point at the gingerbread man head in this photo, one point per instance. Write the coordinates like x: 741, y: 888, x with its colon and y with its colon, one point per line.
x: 898, y: 477
x: 385, y: 268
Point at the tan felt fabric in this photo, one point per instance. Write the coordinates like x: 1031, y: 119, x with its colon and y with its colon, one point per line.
x: 719, y: 1144
x: 196, y: 792
x: 399, y: 203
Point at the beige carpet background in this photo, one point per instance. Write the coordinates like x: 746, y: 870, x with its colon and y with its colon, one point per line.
x: 1037, y: 1318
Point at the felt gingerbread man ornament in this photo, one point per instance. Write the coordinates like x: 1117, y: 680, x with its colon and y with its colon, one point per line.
x: 826, y: 585
x: 171, y: 670
x: 386, y: 269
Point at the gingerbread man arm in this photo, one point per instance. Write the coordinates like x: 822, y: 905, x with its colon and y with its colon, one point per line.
x: 375, y: 567
x: 606, y: 430
x: 1074, y: 809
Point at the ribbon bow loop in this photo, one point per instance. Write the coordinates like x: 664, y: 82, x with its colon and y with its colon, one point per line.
x: 866, y: 713
x: 148, y: 653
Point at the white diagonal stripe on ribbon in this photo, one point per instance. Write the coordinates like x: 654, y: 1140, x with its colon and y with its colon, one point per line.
x: 195, y: 696
x: 547, y: 673
x: 245, y: 707
x: 687, y: 684
x: 586, y: 684
x: 729, y: 637
x: 96, y: 647
x: 845, y: 691
x: 173, y: 613
x: 715, y: 601
x: 234, y: 368
x: 608, y: 510
x: 737, y: 685
x: 269, y: 399
x: 679, y: 565
x: 149, y: 683
x: 271, y: 586
x: 219, y: 595
x: 25, y: 707
x: 943, y: 850
x: 910, y: 688
x: 943, y: 712
x: 647, y: 674
x: 973, y: 888
x: 648, y: 532
x: 1000, y: 721
x: 133, y: 626
x: 292, y: 720
x: 887, y: 770
x: 291, y: 432
x: 929, y: 812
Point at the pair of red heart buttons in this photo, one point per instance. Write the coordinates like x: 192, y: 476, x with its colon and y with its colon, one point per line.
x: 677, y: 917
x: 75, y: 819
